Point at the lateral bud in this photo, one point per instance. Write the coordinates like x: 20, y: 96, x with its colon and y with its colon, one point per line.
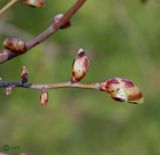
x: 58, y: 17
x: 122, y: 90
x: 35, y: 3
x: 8, y: 90
x: 79, y: 66
x: 44, y: 97
x: 24, y: 74
x: 15, y: 44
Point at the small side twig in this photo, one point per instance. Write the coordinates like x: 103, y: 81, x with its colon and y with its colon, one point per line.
x: 7, y: 6
x: 119, y: 89
x: 65, y: 85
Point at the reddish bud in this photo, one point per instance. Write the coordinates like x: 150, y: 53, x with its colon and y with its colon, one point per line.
x: 80, y: 66
x: 44, y: 97
x: 58, y: 17
x: 122, y: 90
x: 35, y: 3
x: 24, y: 74
x: 15, y: 45
x: 8, y: 90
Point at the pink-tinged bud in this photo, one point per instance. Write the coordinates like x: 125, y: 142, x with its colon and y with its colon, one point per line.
x: 35, y: 3
x: 24, y: 74
x: 15, y: 44
x: 58, y: 17
x: 80, y: 66
x: 8, y: 90
x: 122, y: 90
x: 44, y: 97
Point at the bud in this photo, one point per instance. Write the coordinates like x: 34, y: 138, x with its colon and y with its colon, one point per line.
x: 122, y: 90
x: 79, y: 66
x: 8, y: 90
x: 58, y: 17
x: 15, y: 45
x: 44, y: 97
x: 24, y: 74
x: 35, y: 3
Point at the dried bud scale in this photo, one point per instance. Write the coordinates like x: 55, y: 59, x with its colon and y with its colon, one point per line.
x: 79, y: 66
x: 8, y: 90
x: 35, y: 3
x: 15, y: 44
x: 24, y: 74
x: 122, y: 90
x: 44, y: 97
x: 58, y: 17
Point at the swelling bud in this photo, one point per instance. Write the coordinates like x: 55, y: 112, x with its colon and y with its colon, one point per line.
x: 58, y: 17
x: 24, y: 74
x: 44, y: 97
x: 79, y: 66
x: 15, y: 44
x: 8, y: 90
x: 122, y: 90
x: 35, y: 3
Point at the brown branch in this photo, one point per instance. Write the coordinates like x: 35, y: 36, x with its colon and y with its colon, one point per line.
x: 5, y: 84
x: 7, y: 54
x: 7, y: 6
x: 65, y: 85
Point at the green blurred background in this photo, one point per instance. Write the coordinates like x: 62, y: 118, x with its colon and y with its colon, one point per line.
x: 122, y: 39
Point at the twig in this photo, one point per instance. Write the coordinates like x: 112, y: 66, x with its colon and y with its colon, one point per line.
x: 5, y: 84
x: 7, y: 54
x: 119, y: 89
x: 7, y: 6
x: 66, y: 85
x: 123, y: 91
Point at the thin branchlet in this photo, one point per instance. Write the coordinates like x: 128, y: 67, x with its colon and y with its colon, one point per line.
x: 8, y: 6
x: 20, y: 84
x: 5, y: 84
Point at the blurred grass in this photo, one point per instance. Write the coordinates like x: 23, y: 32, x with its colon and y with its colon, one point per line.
x: 122, y: 40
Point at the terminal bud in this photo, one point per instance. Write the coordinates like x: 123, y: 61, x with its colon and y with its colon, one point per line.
x: 122, y: 90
